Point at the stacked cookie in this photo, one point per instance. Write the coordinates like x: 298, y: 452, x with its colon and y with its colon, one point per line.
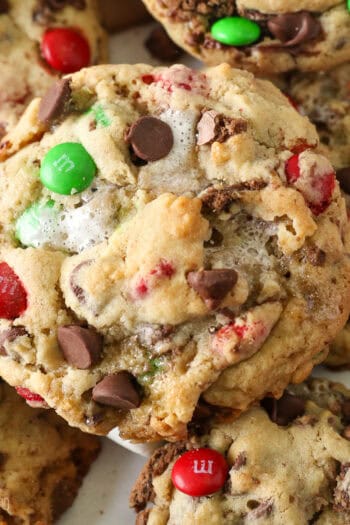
x: 243, y: 471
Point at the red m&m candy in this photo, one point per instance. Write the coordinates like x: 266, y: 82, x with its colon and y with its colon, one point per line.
x: 293, y: 169
x: 65, y: 50
x: 28, y: 395
x: 200, y: 472
x: 13, y: 297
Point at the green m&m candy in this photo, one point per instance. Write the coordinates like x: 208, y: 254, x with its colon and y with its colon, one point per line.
x: 235, y: 31
x: 36, y: 224
x: 67, y: 169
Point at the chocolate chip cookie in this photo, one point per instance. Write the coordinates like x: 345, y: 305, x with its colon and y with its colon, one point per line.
x: 42, y: 461
x: 286, y: 461
x: 325, y: 99
x: 40, y: 40
x: 166, y: 234
x: 266, y: 36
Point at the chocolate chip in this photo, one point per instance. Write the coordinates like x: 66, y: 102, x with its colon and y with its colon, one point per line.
x: 343, y: 176
x: 151, y: 138
x: 212, y: 285
x: 293, y: 29
x: 284, y: 410
x: 54, y: 102
x: 81, y: 347
x: 160, y: 45
x: 10, y: 335
x: 117, y: 390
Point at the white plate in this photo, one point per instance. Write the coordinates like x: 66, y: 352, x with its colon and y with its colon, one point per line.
x: 103, y: 499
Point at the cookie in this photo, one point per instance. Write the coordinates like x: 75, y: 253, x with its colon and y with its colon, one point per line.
x: 172, y: 230
x: 40, y: 40
x: 286, y: 461
x: 118, y: 14
x: 325, y: 99
x: 43, y: 461
x: 269, y: 36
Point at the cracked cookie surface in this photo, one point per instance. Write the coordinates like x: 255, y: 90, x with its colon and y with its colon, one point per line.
x: 164, y: 239
x: 273, y: 36
x: 287, y: 461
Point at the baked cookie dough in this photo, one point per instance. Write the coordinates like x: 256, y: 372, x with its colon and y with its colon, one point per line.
x: 40, y: 40
x: 269, y: 36
x: 174, y: 233
x: 43, y: 461
x: 325, y: 99
x: 286, y: 461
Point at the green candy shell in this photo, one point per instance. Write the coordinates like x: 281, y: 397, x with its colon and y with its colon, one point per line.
x: 67, y: 169
x: 235, y: 31
x: 29, y: 224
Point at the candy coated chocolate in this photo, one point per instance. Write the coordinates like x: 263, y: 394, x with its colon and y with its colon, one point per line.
x: 67, y: 169
x: 200, y: 472
x: 235, y: 31
x: 65, y: 50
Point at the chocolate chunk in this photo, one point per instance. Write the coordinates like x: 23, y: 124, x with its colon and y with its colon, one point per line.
x: 206, y: 128
x: 10, y: 335
x: 293, y: 29
x: 212, y: 285
x: 142, y: 517
x: 284, y: 410
x: 117, y: 390
x: 240, y: 461
x: 151, y: 138
x: 343, y: 177
x: 219, y: 199
x: 76, y: 289
x: 81, y: 347
x: 345, y: 409
x: 4, y: 6
x: 216, y: 127
x: 54, y: 102
x: 263, y: 509
x: 160, y: 45
x: 215, y: 239
x: 143, y: 492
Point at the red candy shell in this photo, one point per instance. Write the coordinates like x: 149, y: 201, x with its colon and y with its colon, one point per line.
x: 13, y: 297
x: 28, y: 395
x: 65, y: 50
x: 292, y: 168
x: 200, y: 472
